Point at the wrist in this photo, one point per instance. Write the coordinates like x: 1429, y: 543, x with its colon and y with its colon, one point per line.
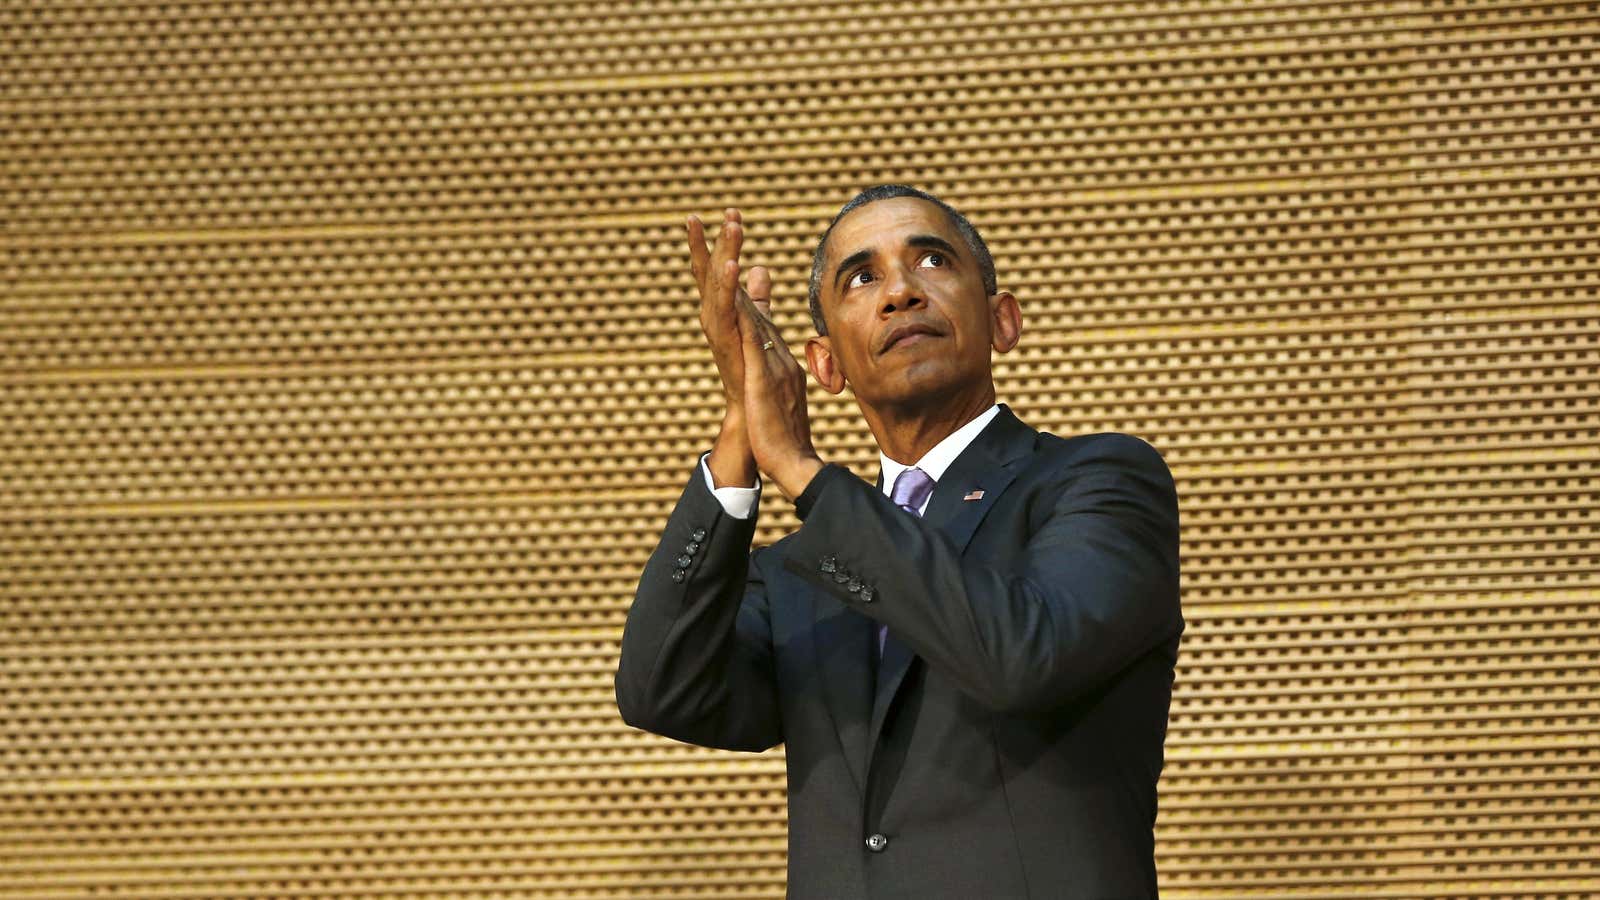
x: 732, y: 463
x: 793, y: 477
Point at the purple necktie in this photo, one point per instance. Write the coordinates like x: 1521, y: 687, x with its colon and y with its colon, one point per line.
x: 911, y: 490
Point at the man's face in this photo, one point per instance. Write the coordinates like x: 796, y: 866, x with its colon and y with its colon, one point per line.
x: 903, y: 299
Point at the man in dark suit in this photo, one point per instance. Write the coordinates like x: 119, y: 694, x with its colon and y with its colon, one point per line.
x: 971, y: 675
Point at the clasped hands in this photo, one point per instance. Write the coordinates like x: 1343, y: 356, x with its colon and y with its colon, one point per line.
x: 766, y: 425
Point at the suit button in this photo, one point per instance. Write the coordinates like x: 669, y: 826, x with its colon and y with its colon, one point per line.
x: 877, y: 843
x: 829, y: 564
x: 699, y: 534
x: 678, y: 575
x: 854, y: 586
x: 692, y: 547
x: 867, y: 594
x: 684, y: 561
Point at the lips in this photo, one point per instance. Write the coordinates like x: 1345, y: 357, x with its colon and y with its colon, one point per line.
x: 905, y: 331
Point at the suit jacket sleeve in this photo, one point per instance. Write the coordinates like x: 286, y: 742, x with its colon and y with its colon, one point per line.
x: 1094, y: 588
x: 696, y: 661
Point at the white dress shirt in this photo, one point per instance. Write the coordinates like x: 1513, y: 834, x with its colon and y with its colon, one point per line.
x: 740, y: 503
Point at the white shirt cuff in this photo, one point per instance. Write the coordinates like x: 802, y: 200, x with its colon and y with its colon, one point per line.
x: 737, y: 502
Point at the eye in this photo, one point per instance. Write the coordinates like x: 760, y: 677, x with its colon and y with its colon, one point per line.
x: 935, y: 258
x: 859, y: 278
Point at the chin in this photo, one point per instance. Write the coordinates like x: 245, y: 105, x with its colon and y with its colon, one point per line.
x: 925, y: 381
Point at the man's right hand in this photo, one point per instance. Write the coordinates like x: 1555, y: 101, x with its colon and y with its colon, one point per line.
x: 716, y: 277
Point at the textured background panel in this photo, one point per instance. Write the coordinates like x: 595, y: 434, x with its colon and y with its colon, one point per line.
x: 349, y: 366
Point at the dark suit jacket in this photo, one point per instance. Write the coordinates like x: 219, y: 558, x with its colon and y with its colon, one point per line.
x: 1009, y: 742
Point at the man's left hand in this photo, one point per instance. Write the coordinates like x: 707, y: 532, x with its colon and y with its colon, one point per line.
x: 775, y: 404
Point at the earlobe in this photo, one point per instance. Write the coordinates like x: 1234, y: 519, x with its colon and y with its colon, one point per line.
x: 1007, y: 321
x: 824, y: 368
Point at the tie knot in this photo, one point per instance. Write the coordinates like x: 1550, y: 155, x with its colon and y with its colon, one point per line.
x: 911, y: 490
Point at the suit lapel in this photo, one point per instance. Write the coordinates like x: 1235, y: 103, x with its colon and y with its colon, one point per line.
x: 845, y: 642
x: 957, y: 519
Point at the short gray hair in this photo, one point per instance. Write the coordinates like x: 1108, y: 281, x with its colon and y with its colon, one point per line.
x: 877, y: 192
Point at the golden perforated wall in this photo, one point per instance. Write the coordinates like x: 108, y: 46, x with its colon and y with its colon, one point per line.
x: 350, y: 365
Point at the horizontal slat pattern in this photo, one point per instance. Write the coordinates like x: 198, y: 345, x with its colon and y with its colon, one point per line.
x: 348, y: 368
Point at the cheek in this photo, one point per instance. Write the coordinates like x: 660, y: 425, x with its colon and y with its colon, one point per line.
x: 854, y: 340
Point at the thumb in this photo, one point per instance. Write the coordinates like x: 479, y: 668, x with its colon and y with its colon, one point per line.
x: 759, y: 287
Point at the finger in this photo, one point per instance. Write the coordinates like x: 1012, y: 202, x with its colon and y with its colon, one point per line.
x: 728, y: 294
x: 751, y: 322
x: 758, y: 284
x: 758, y: 329
x: 729, y: 242
x: 750, y: 340
x: 699, y: 256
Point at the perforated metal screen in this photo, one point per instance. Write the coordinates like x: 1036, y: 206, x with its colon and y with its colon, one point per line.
x: 350, y: 366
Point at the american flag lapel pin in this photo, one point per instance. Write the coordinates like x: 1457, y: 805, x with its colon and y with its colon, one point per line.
x: 975, y: 495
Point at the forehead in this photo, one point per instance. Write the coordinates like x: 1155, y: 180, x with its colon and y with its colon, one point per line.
x: 885, y: 224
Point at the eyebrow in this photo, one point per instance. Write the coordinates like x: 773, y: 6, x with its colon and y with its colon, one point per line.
x: 933, y: 242
x: 929, y: 241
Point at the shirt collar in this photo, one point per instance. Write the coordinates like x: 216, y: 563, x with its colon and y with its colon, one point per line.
x: 937, y: 460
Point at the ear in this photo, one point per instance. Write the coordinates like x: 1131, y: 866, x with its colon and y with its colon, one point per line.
x: 824, y: 367
x: 1006, y: 321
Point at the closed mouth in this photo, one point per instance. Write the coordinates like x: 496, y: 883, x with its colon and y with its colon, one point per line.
x: 906, y: 331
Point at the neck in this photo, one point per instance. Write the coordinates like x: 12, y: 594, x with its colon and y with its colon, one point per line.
x: 905, y: 433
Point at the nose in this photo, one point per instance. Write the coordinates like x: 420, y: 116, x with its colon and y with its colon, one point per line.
x: 900, y: 293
